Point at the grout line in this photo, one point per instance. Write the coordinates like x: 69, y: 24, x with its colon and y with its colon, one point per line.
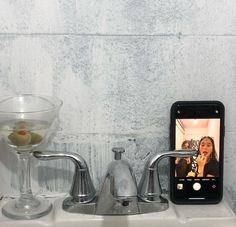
x: 179, y: 35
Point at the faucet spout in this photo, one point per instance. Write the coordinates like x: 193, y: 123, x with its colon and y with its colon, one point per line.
x: 118, y: 195
x: 122, y: 181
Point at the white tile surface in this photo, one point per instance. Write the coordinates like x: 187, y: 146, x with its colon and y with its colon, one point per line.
x: 33, y: 16
x: 156, y: 17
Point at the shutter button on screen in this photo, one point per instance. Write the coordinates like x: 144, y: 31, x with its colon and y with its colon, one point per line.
x: 196, y: 186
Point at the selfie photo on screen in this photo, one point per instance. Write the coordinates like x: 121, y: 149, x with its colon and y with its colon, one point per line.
x: 202, y: 135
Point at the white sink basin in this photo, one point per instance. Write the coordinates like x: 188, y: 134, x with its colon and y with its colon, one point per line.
x: 219, y: 215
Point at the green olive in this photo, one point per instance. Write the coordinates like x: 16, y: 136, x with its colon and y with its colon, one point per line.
x: 20, y: 138
x: 35, y: 138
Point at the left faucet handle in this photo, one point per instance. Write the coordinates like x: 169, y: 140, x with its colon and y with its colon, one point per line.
x: 82, y: 189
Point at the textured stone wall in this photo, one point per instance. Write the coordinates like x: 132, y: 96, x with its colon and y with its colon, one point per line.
x: 118, y: 66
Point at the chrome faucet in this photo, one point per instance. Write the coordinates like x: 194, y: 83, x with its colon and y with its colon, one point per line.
x: 119, y: 194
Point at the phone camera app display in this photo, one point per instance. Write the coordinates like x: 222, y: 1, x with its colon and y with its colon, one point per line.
x: 202, y: 135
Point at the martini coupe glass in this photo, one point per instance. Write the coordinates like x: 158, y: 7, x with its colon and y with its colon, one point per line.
x: 27, y: 121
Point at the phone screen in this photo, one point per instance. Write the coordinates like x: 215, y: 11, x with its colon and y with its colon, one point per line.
x: 198, y: 178
x: 202, y: 135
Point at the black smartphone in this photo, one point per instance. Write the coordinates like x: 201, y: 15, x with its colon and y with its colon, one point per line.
x: 197, y: 125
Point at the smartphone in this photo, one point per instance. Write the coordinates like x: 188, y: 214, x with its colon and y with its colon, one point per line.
x: 197, y: 125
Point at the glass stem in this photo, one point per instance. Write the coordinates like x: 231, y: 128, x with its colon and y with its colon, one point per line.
x: 24, y: 176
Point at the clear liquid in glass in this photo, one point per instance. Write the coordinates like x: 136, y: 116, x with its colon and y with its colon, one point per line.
x: 25, y: 134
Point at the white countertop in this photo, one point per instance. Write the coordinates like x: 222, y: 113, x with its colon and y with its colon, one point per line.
x: 219, y: 215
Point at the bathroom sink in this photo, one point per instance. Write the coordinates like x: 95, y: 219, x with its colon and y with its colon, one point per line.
x: 177, y: 215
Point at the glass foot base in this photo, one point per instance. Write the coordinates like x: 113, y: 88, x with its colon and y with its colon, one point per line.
x: 27, y: 209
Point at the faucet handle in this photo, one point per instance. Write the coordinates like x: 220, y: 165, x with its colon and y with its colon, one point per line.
x: 82, y: 188
x: 149, y: 188
x: 118, y: 151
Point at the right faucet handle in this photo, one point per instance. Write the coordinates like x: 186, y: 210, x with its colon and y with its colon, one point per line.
x: 149, y: 188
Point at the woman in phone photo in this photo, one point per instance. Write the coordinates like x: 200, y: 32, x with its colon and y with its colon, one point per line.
x: 208, y: 165
x: 183, y: 165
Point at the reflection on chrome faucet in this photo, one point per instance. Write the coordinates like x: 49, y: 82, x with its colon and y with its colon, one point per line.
x: 119, y: 194
x: 119, y: 191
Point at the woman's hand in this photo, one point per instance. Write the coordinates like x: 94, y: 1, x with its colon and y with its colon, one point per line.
x: 201, y: 161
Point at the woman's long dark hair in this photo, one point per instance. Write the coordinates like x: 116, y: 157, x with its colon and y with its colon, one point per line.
x: 213, y: 155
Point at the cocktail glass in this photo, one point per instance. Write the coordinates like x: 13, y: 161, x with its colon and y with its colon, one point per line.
x: 27, y: 121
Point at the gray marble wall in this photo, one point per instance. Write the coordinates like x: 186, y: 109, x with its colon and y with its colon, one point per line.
x: 118, y: 66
